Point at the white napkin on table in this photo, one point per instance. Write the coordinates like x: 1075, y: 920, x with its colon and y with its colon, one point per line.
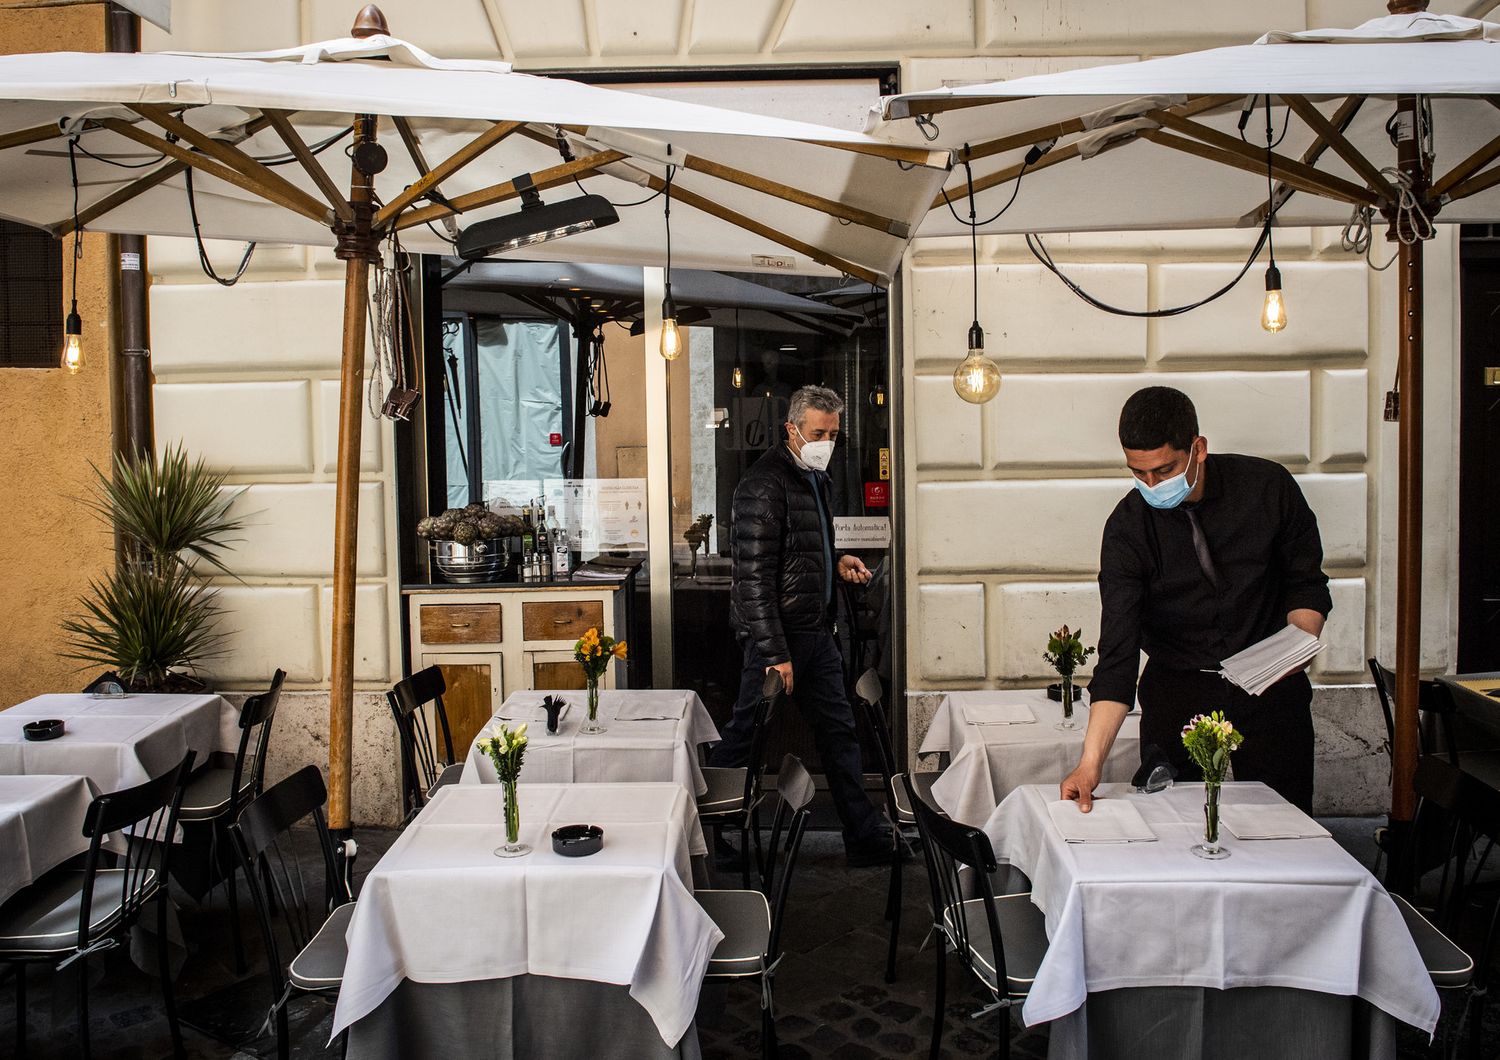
x: 529, y: 710
x: 651, y: 708
x: 1110, y: 821
x: 1269, y: 821
x: 999, y: 714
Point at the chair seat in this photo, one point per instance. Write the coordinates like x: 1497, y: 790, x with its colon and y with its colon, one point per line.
x: 1448, y: 965
x: 320, y: 965
x: 1023, y: 933
x: 745, y: 919
x: 726, y: 790
x: 206, y: 794
x: 44, y: 918
x: 449, y: 775
x: 923, y: 783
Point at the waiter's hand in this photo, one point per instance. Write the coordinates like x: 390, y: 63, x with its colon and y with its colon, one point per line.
x: 1079, y: 785
x: 785, y: 670
x: 852, y: 569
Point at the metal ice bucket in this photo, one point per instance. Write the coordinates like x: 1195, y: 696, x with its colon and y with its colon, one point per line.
x: 483, y: 561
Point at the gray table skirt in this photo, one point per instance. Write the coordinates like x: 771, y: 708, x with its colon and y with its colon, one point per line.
x: 1191, y: 1023
x: 524, y: 1017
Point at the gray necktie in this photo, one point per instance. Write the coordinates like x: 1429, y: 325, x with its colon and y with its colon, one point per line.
x: 1200, y: 546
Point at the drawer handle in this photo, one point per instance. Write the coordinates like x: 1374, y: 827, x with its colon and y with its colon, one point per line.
x: 562, y: 621
x: 459, y: 625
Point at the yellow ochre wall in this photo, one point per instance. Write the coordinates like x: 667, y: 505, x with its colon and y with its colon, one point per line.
x: 54, y: 425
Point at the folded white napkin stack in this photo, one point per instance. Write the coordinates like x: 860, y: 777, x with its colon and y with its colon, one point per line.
x: 998, y: 714
x: 1270, y: 821
x: 1264, y: 663
x: 1110, y: 821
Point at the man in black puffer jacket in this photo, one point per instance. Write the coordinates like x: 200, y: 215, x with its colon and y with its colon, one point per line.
x: 781, y: 605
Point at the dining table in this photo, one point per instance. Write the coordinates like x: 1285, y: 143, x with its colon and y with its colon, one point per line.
x: 454, y: 950
x: 1287, y: 946
x: 41, y: 826
x: 116, y: 741
x: 999, y: 740
x: 649, y: 735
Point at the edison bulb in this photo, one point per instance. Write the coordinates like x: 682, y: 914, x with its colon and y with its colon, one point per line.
x: 72, y: 355
x: 977, y: 378
x: 737, y: 378
x: 1273, y: 311
x: 671, y: 339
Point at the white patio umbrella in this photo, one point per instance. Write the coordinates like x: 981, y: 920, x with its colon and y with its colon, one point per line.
x: 1399, y: 117
x: 275, y: 138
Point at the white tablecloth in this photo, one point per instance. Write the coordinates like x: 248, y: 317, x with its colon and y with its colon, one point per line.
x: 440, y: 907
x: 988, y: 762
x: 1297, y: 913
x: 117, y: 743
x: 41, y: 826
x: 639, y: 749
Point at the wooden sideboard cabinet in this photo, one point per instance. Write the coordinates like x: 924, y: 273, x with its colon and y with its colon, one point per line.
x: 494, y: 640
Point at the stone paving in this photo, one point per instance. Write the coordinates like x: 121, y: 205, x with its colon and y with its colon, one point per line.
x: 832, y: 1000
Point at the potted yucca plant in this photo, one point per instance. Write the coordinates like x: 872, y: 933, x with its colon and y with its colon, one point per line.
x: 154, y: 619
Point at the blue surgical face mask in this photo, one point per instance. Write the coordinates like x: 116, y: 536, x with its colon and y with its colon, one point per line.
x: 1169, y: 492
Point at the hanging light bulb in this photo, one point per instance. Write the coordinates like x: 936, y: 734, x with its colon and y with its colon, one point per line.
x: 877, y: 395
x: 671, y: 337
x: 737, y: 378
x: 977, y: 377
x: 72, y: 353
x: 1273, y: 312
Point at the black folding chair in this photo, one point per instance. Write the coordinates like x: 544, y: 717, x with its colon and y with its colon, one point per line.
x: 215, y: 795
x: 868, y: 694
x: 1001, y: 938
x: 752, y: 920
x: 268, y: 836
x: 734, y: 792
x: 66, y: 917
x: 422, y: 770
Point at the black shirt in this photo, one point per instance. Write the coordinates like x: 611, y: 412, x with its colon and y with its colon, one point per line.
x: 1267, y: 556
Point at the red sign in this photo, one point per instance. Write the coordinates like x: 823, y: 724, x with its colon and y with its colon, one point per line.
x: 877, y: 494
x: 555, y: 438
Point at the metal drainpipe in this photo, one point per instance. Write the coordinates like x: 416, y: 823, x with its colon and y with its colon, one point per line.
x: 134, y: 420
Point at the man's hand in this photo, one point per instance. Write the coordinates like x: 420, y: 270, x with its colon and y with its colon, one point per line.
x: 785, y: 670
x: 1079, y: 785
x: 852, y: 569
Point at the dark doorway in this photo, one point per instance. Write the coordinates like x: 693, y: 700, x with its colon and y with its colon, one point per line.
x: 1479, y: 451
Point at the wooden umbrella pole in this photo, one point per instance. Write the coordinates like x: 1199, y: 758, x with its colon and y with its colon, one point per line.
x: 357, y: 246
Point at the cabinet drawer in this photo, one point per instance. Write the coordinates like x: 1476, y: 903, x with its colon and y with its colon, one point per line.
x: 561, y: 619
x: 460, y: 623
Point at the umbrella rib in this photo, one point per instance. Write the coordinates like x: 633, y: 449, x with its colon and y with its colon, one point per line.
x: 706, y: 205
x: 765, y: 186
x: 1008, y: 174
x: 120, y: 197
x: 1348, y: 152
x: 1474, y: 185
x: 1075, y: 125
x: 445, y: 169
x: 258, y: 175
x: 281, y: 121
x: 474, y: 200
x: 309, y: 209
x: 1459, y: 174
x: 940, y: 159
x: 36, y: 134
x: 1219, y: 147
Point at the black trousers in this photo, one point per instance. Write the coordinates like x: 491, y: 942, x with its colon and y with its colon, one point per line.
x: 1278, y: 747
x: 818, y: 690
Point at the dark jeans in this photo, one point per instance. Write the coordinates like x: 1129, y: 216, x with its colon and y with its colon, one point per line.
x: 818, y: 691
x: 1278, y: 747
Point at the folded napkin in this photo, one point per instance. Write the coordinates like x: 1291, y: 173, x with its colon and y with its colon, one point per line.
x: 1270, y: 821
x: 1110, y: 821
x: 651, y: 708
x: 999, y: 714
x: 1265, y: 662
x: 528, y: 709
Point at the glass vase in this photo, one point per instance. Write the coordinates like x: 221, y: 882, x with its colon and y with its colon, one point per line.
x: 1210, y: 848
x: 592, y: 727
x: 513, y: 847
x: 1066, y: 684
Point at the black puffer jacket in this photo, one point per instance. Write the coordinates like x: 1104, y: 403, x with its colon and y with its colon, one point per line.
x: 778, y: 554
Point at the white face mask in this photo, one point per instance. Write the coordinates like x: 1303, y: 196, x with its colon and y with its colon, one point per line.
x: 816, y: 455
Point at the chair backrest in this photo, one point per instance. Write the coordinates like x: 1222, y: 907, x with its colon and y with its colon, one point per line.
x: 1433, y: 698
x: 948, y: 847
x: 420, y: 765
x: 1385, y: 691
x: 256, y: 718
x: 869, y: 694
x: 760, y: 734
x: 795, y: 789
x: 268, y: 836
x: 149, y: 812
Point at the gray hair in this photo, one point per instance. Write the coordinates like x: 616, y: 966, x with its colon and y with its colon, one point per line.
x: 813, y: 397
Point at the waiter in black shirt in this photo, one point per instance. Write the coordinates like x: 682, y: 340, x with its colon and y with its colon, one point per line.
x: 1204, y: 558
